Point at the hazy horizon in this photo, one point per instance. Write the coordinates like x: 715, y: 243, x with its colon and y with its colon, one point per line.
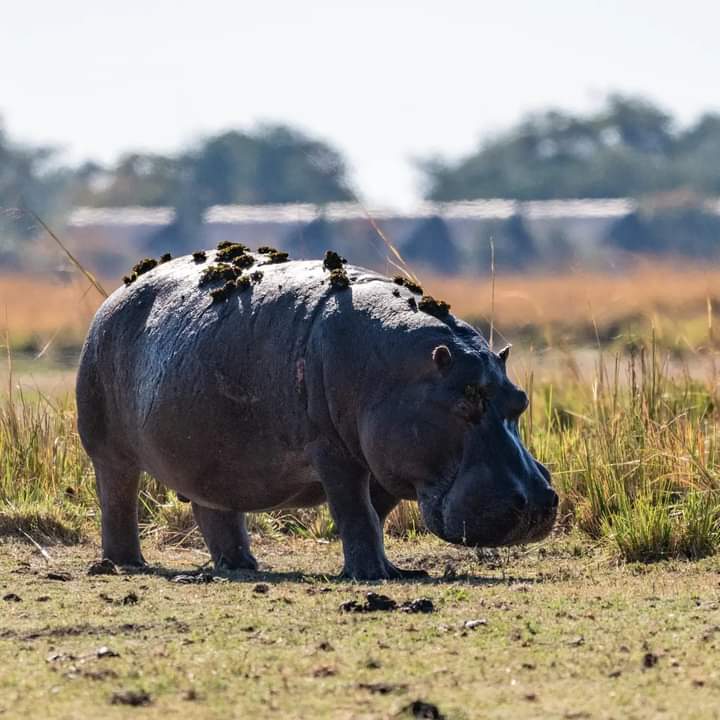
x: 383, y: 82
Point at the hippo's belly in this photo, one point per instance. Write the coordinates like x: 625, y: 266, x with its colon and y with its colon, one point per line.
x: 232, y: 484
x: 211, y: 398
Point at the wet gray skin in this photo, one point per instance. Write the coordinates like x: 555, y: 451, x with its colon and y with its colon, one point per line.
x: 293, y: 393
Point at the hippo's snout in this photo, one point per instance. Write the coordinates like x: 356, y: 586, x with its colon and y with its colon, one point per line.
x: 502, y: 494
x: 538, y: 495
x: 526, y: 513
x: 545, y: 504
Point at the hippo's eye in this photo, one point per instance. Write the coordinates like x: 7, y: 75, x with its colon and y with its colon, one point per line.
x: 472, y: 405
x: 475, y: 393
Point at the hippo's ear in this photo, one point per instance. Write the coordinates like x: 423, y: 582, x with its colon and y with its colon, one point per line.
x: 442, y: 357
x: 504, y: 354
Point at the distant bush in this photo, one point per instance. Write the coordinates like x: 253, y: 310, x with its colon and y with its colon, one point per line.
x: 692, y: 233
x: 430, y: 245
x: 629, y: 147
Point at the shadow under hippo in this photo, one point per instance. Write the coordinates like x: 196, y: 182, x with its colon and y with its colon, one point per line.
x: 246, y: 382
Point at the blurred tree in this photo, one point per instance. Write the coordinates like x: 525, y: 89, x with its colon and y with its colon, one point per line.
x: 136, y: 179
x: 29, y: 179
x: 273, y: 165
x: 628, y: 148
x: 698, y: 153
x: 637, y: 124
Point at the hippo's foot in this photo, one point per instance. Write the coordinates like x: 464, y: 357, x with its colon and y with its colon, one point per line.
x: 124, y: 554
x: 383, y: 569
x: 133, y: 563
x: 108, y: 567
x: 226, y: 537
x: 138, y: 564
x: 359, y: 522
x: 117, y: 485
x: 243, y: 560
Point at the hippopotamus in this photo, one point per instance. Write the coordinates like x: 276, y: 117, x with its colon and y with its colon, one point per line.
x: 290, y: 385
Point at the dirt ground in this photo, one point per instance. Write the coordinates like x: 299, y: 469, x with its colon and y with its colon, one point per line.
x: 554, y: 631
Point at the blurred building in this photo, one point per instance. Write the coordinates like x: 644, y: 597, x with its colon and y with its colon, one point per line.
x: 449, y: 238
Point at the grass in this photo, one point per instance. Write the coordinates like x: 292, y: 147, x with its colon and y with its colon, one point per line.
x: 558, y: 631
x: 38, y: 311
x: 543, y: 310
x: 636, y: 456
x: 566, y: 310
x: 46, y: 484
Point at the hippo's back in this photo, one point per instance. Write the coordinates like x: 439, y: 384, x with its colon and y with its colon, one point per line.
x: 167, y: 372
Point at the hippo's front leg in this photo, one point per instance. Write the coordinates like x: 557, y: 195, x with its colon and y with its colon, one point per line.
x: 347, y: 487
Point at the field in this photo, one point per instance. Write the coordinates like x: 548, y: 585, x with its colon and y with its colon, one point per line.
x: 615, y: 616
x: 559, y: 631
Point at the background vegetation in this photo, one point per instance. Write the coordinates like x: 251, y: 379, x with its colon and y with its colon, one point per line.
x: 627, y: 148
x: 272, y: 164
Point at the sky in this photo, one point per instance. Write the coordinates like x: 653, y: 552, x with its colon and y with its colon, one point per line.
x: 384, y: 82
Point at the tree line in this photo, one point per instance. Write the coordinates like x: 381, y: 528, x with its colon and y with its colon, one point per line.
x: 272, y: 164
x: 630, y: 147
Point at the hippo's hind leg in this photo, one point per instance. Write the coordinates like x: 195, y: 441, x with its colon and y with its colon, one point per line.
x: 226, y: 537
x: 117, y: 488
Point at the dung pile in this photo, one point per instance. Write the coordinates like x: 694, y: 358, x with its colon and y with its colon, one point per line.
x: 409, y: 284
x: 140, y: 268
x: 230, y: 261
x: 438, y: 308
x: 339, y: 279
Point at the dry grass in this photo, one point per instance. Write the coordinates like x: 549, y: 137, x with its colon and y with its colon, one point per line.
x: 668, y: 296
x: 39, y: 308
x: 636, y: 461
x: 634, y: 447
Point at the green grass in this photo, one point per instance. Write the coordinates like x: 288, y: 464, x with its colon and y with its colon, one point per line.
x: 636, y: 456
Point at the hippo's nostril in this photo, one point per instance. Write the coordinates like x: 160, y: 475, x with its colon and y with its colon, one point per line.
x: 519, y: 501
x: 517, y: 404
x: 552, y: 499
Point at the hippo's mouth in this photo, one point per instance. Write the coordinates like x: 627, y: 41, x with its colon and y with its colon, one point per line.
x: 529, y: 529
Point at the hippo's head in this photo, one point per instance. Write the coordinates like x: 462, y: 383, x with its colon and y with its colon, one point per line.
x: 449, y: 437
